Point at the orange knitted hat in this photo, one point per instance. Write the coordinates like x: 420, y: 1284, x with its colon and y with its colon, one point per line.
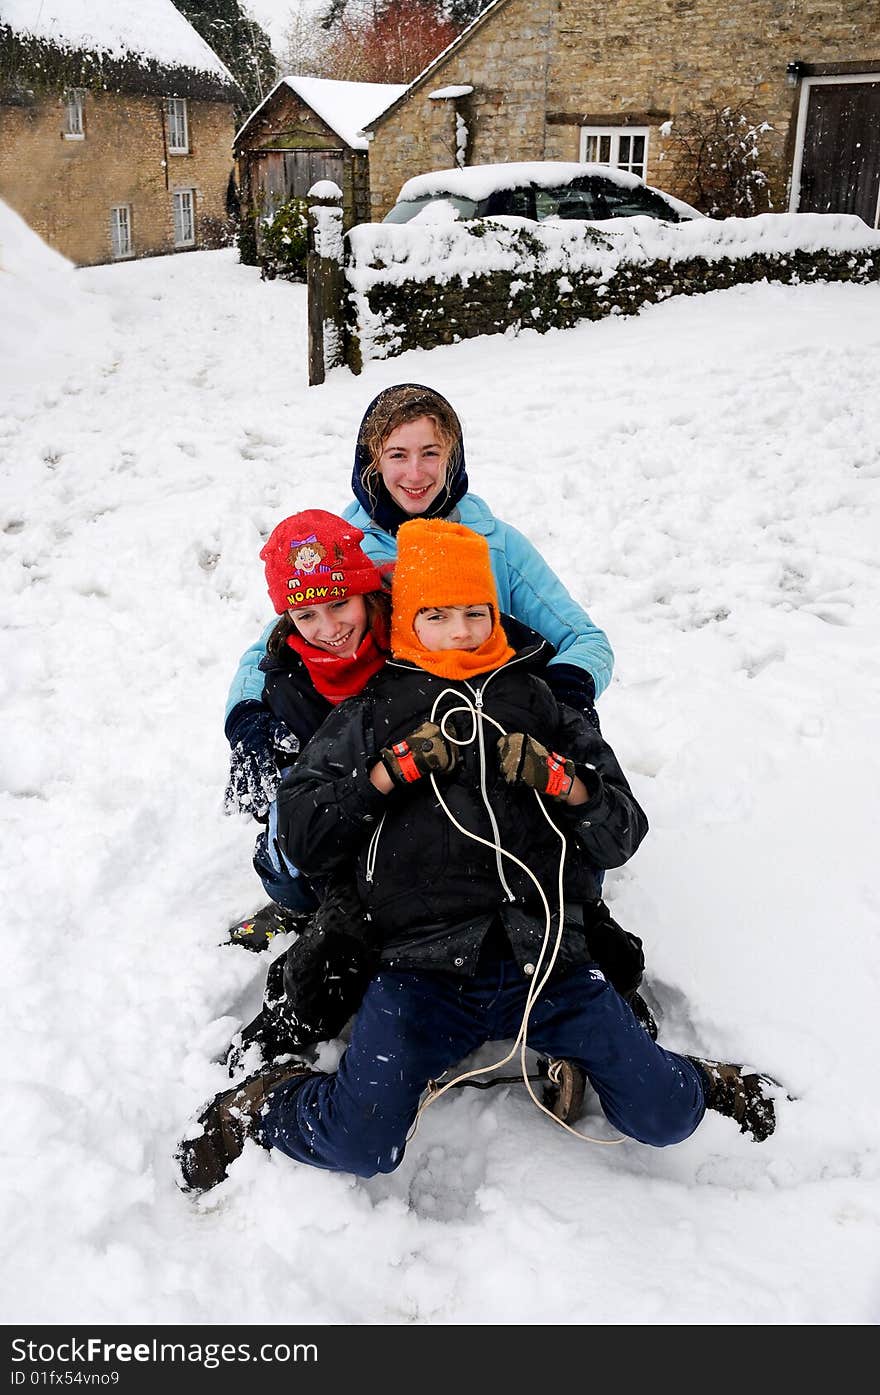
x: 443, y: 564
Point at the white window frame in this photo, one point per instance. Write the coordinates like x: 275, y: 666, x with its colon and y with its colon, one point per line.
x: 615, y: 133
x: 177, y: 125
x: 184, y: 205
x: 74, y: 128
x: 120, y: 231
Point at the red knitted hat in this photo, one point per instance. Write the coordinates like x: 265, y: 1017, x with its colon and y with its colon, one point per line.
x: 315, y: 557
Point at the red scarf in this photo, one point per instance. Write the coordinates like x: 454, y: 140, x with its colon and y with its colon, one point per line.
x: 335, y: 678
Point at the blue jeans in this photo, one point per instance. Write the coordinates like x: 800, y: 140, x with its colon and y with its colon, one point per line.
x: 413, y: 1026
x: 284, y: 885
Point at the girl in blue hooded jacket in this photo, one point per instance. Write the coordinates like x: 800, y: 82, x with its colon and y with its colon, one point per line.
x: 410, y: 463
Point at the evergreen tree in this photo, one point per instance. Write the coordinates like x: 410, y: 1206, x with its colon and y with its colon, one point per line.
x: 461, y: 12
x: 239, y: 41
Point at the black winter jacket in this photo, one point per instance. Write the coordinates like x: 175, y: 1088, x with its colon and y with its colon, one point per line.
x: 290, y: 694
x: 430, y: 891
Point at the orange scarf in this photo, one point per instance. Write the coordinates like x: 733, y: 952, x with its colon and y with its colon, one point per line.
x: 458, y: 663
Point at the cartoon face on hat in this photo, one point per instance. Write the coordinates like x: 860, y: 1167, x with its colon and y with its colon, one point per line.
x: 307, y: 556
x: 314, y: 558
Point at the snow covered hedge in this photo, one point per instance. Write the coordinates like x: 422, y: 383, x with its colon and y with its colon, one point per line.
x: 420, y: 284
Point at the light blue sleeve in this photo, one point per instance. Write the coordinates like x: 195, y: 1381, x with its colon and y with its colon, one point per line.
x: 249, y: 680
x: 539, y: 599
x: 273, y: 850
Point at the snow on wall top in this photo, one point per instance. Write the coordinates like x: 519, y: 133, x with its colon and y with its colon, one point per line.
x: 391, y: 253
x: 443, y: 94
x: 152, y: 29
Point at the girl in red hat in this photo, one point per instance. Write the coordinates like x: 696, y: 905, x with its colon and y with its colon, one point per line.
x: 331, y: 638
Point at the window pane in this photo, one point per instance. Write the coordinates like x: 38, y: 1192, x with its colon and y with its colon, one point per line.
x: 597, y: 148
x: 120, y: 230
x: 175, y: 108
x: 626, y: 203
x: 571, y: 201
x: 631, y: 154
x: 518, y: 203
x: 184, y: 227
x: 74, y: 114
x: 411, y: 208
x: 621, y: 148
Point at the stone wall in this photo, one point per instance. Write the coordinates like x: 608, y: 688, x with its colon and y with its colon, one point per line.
x: 390, y: 319
x: 505, y: 60
x: 541, y: 69
x: 644, y: 61
x: 65, y: 188
x: 415, y: 286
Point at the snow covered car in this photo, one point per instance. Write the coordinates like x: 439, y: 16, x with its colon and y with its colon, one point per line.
x: 536, y: 190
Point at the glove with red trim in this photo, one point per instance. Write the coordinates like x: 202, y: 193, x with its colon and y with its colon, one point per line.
x: 425, y: 751
x: 524, y: 761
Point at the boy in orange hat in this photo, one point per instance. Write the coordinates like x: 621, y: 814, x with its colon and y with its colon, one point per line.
x: 480, y: 814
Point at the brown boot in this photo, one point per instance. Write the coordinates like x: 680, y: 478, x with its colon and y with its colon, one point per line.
x: 228, y: 1122
x: 564, y: 1096
x: 739, y: 1096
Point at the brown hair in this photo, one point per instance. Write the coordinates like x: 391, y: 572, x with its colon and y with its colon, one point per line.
x: 378, y: 606
x: 398, y: 405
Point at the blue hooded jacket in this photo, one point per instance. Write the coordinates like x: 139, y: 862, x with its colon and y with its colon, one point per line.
x: 527, y: 587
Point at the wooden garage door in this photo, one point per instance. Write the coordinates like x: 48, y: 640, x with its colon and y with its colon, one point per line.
x: 285, y: 174
x: 840, y: 170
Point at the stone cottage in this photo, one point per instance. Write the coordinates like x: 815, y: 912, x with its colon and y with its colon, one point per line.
x: 308, y: 129
x: 116, y: 128
x: 607, y: 80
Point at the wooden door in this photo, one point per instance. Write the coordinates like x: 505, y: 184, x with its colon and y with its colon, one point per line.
x: 288, y: 174
x: 303, y: 168
x: 840, y: 169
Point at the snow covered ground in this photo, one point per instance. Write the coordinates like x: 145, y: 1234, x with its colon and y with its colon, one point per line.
x: 706, y: 479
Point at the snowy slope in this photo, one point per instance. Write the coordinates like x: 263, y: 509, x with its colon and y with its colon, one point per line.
x: 705, y: 478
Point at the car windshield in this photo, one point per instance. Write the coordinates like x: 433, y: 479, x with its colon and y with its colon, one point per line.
x: 591, y: 197
x: 408, y: 208
x: 597, y: 199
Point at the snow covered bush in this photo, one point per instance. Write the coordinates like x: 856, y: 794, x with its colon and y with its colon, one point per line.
x: 284, y: 240
x: 719, y: 161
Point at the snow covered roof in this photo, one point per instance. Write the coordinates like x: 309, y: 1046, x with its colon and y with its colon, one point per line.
x: 151, y: 29
x: 346, y: 107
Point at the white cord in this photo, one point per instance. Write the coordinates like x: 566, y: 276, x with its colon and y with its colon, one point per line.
x: 539, y: 979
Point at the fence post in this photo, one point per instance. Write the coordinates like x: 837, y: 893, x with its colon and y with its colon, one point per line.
x: 325, y: 280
